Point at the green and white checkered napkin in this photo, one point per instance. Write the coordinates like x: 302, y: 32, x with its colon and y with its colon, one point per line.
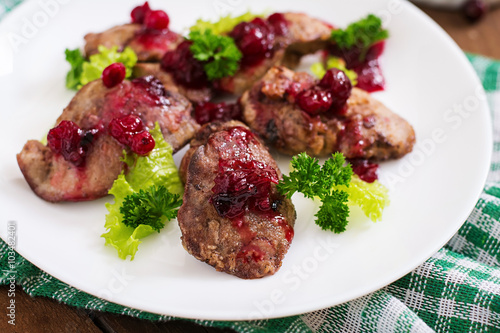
x: 457, y: 290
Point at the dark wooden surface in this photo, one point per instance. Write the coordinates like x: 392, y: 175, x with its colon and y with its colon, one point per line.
x: 46, y: 315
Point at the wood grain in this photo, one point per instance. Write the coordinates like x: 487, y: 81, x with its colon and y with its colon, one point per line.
x: 482, y: 37
x: 37, y: 314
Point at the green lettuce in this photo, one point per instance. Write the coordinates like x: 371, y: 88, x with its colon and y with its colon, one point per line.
x: 372, y: 198
x: 83, y: 71
x: 157, y: 168
x: 225, y: 24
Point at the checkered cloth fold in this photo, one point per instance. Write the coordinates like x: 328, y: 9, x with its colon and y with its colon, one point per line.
x: 456, y: 290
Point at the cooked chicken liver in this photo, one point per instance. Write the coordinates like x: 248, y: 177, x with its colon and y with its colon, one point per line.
x: 367, y: 129
x: 149, y: 45
x: 233, y: 217
x: 302, y: 35
x: 54, y: 179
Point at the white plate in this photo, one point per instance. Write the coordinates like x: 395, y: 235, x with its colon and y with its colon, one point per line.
x: 433, y: 189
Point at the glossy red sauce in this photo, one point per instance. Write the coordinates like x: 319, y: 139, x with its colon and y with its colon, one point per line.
x: 370, y: 77
x: 256, y: 39
x: 152, y: 39
x: 243, y: 185
x: 184, y: 68
x: 366, y: 170
x: 351, y: 139
x: 132, y: 96
x: 208, y: 112
x: 72, y: 142
x: 154, y: 34
x: 130, y: 131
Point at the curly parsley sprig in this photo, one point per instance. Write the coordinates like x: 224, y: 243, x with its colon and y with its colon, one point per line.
x: 313, y: 180
x: 219, y: 54
x: 151, y: 207
x: 362, y: 34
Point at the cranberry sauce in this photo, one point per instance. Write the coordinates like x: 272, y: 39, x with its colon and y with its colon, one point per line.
x: 243, y: 185
x: 139, y: 13
x: 134, y: 97
x: 366, y: 170
x: 328, y: 96
x: 366, y: 65
x: 154, y: 33
x: 120, y: 118
x: 160, y: 40
x: 72, y: 142
x: 208, y: 112
x: 185, y: 69
x: 256, y: 39
x: 130, y: 131
x: 350, y: 138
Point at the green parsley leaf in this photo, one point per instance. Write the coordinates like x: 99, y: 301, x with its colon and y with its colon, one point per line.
x: 363, y: 34
x: 156, y: 168
x: 151, y: 207
x: 302, y: 178
x: 313, y: 180
x: 219, y: 54
x: 333, y: 213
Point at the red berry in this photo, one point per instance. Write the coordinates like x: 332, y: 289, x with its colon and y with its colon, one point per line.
x: 255, y: 41
x: 113, y: 75
x: 124, y: 128
x: 365, y: 169
x: 337, y: 82
x: 279, y: 23
x: 142, y: 143
x: 139, y: 12
x: 475, y: 9
x: 65, y: 139
x: 314, y: 101
x: 156, y: 20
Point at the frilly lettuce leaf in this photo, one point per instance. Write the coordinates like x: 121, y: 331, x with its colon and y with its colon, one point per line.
x: 83, y: 71
x: 225, y: 24
x: 157, y: 168
x: 372, y: 198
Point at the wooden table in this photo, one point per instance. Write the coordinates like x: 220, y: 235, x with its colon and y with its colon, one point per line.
x: 47, y: 315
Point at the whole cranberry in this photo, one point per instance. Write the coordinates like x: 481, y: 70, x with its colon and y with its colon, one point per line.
x: 279, y: 23
x: 65, y: 139
x: 139, y: 12
x: 314, y: 101
x: 156, y: 20
x: 124, y: 128
x: 337, y: 82
x: 254, y: 39
x: 474, y: 10
x: 114, y: 74
x: 142, y: 143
